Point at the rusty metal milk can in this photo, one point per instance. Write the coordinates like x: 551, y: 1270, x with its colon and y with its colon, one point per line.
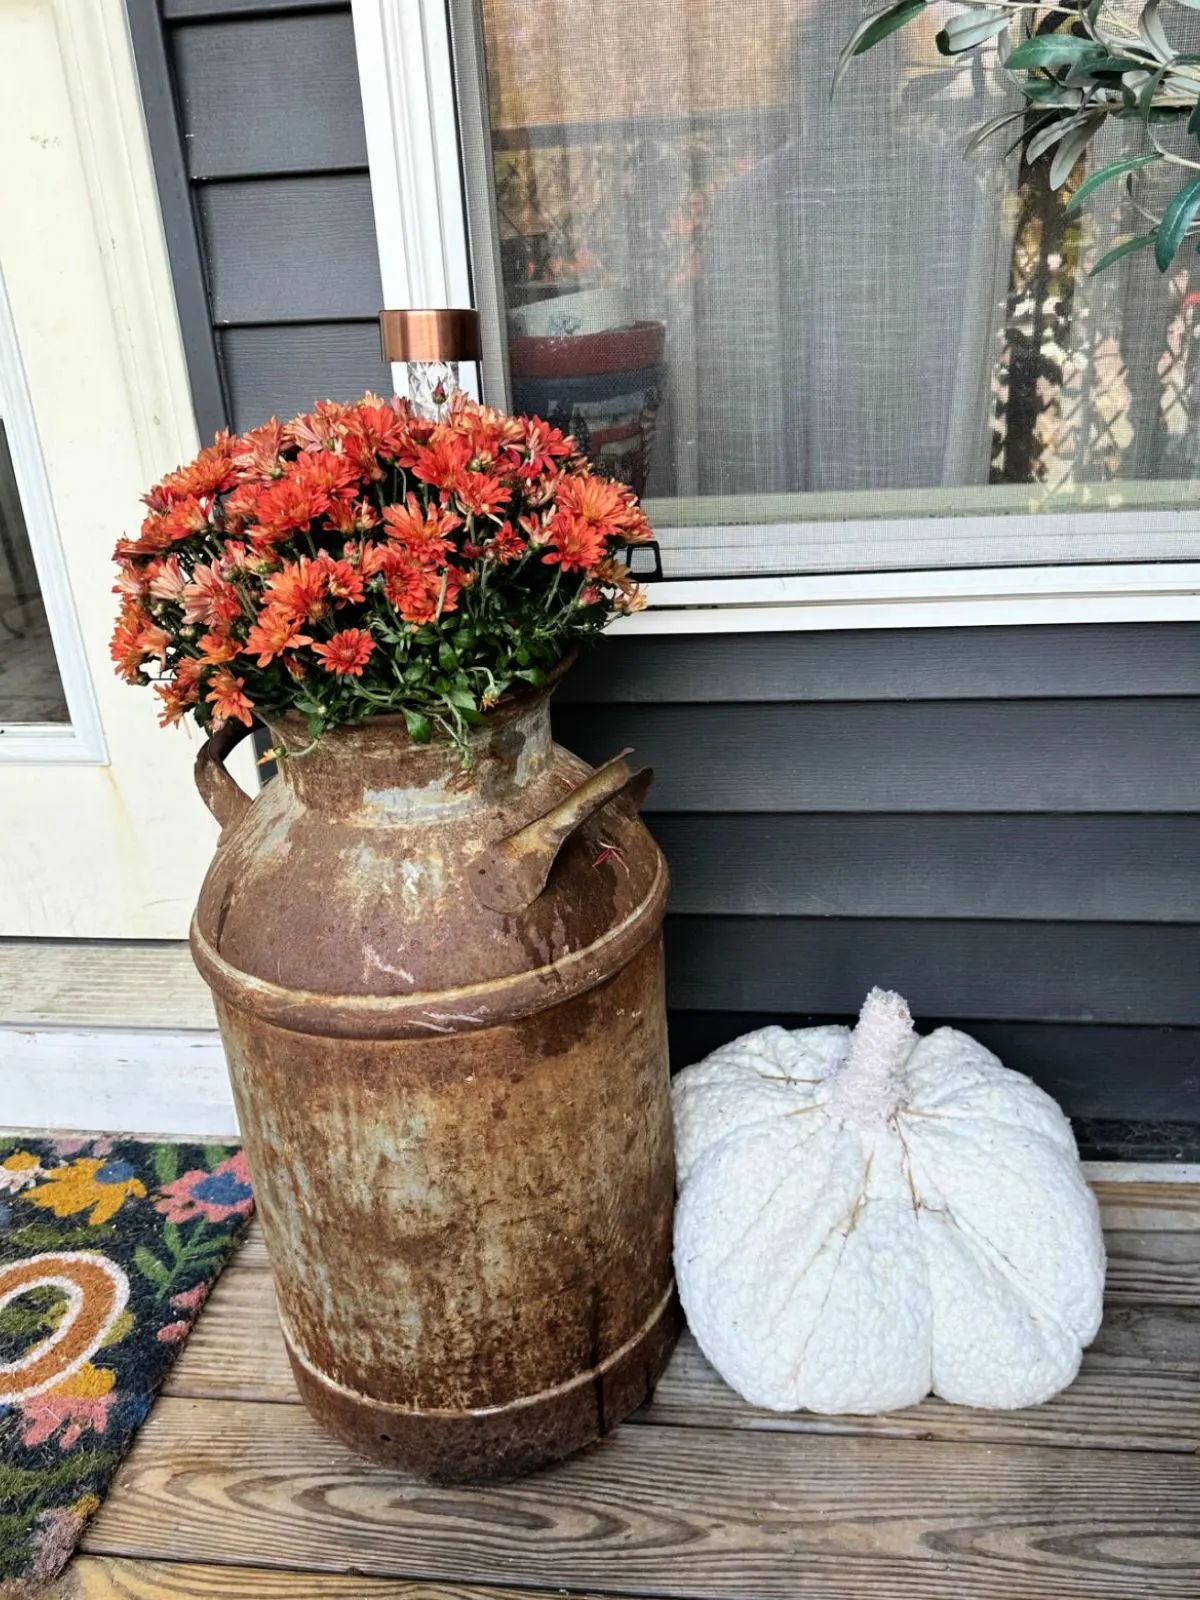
x: 440, y: 993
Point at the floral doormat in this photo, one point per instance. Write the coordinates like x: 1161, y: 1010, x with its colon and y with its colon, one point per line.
x: 108, y: 1249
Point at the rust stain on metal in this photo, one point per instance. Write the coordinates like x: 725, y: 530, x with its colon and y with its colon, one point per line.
x: 456, y: 1114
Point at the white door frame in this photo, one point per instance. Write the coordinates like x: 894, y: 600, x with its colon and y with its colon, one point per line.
x: 112, y: 841
x: 83, y: 738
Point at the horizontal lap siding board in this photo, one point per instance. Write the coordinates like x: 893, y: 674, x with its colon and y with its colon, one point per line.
x: 272, y: 129
x: 1001, y: 822
x: 935, y: 756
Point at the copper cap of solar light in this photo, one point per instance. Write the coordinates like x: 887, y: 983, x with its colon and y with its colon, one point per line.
x: 450, y: 335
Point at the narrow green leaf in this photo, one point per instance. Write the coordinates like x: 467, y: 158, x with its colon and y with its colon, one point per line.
x: 967, y: 32
x: 172, y: 1239
x: 1050, y: 135
x: 1048, y: 91
x: 166, y: 1163
x: 214, y: 1154
x: 420, y: 729
x: 151, y: 1267
x: 1048, y: 50
x: 1152, y: 34
x: 1176, y: 219
x: 1113, y: 169
x: 992, y: 125
x: 1072, y: 147
x: 875, y: 26
x: 1118, y: 251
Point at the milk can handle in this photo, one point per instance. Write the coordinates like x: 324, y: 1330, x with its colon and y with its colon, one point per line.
x: 221, y: 793
x: 509, y: 876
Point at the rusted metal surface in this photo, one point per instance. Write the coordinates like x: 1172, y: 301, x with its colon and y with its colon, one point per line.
x: 457, y: 1117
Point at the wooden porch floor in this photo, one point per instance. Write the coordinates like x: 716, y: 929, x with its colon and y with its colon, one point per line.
x: 232, y: 1492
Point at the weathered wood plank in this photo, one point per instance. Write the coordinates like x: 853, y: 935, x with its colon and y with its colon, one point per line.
x: 93, y: 984
x: 671, y: 1510
x: 113, y: 1578
x: 1139, y: 1387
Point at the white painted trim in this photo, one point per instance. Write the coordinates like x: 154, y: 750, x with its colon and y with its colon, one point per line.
x: 406, y: 75
x: 976, y: 596
x: 136, y: 1080
x: 83, y: 739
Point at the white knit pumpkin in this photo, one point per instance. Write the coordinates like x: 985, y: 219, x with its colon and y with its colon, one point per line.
x: 867, y: 1216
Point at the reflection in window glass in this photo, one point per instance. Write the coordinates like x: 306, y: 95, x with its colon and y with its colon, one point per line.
x: 30, y: 687
x: 730, y: 284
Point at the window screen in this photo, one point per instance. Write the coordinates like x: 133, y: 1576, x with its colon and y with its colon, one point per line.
x: 812, y: 333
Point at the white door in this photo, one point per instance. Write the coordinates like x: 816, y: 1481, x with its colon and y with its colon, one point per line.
x: 102, y: 834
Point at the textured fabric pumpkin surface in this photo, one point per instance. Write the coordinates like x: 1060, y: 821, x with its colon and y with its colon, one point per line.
x: 867, y: 1216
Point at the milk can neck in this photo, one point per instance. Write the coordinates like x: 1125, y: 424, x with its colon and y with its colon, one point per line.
x: 376, y: 773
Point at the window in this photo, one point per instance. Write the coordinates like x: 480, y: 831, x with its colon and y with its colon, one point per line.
x: 815, y: 336
x: 31, y: 689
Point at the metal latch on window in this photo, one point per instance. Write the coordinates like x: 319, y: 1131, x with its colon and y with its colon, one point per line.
x: 644, y: 560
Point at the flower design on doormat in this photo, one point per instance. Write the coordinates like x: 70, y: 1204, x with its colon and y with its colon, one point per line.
x: 108, y: 1249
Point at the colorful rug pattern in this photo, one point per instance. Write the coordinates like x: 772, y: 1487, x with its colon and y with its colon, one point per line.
x: 108, y: 1249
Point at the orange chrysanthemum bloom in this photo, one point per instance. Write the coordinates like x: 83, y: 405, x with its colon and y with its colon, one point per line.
x: 421, y: 530
x: 275, y: 631
x: 226, y: 696
x: 343, y: 580
x: 575, y: 544
x: 181, y: 693
x: 126, y: 648
x: 300, y: 590
x: 347, y: 653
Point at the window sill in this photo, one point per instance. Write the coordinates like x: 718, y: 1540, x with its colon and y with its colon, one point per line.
x: 970, y: 597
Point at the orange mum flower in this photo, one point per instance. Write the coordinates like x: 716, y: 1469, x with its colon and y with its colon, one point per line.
x: 344, y: 581
x: 258, y: 452
x: 179, y: 694
x: 226, y: 698
x: 274, y: 632
x: 208, y: 598
x: 126, y: 647
x: 421, y: 531
x: 347, y: 652
x: 575, y: 544
x: 505, y: 545
x: 599, y: 502
x: 300, y: 589
x: 443, y: 461
x: 212, y: 472
x: 482, y: 495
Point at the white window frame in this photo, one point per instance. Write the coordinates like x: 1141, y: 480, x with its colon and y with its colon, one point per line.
x: 80, y: 740
x: 406, y: 59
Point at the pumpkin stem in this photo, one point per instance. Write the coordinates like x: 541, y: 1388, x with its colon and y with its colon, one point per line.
x: 865, y: 1089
